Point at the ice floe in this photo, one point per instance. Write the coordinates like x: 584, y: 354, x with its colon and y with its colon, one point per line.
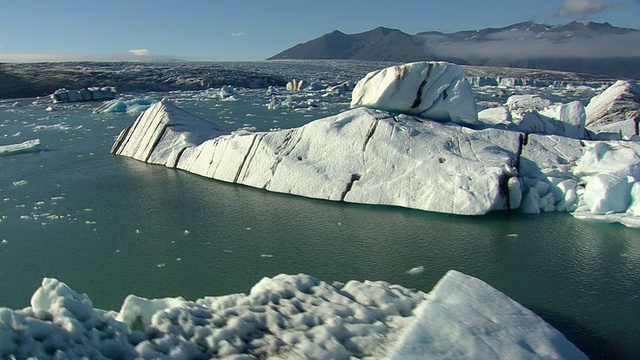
x: 284, y: 317
x: 528, y: 155
x: 23, y: 147
x: 88, y: 94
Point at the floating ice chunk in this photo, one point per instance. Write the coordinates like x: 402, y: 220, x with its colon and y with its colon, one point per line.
x: 416, y: 270
x: 20, y: 183
x: 23, y: 147
x: 360, y: 155
x: 521, y: 104
x: 464, y: 318
x: 88, y: 94
x: 285, y: 317
x: 433, y: 90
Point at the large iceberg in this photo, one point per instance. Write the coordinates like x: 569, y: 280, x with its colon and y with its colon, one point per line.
x: 285, y: 317
x: 23, y: 147
x: 524, y: 156
x: 361, y: 155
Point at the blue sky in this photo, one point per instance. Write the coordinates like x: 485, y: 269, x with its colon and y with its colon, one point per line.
x: 255, y: 29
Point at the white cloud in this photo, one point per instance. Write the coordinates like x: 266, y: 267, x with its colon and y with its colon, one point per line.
x: 237, y: 34
x: 140, y: 52
x: 582, y: 9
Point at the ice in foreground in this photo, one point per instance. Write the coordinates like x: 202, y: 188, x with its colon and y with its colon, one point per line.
x: 287, y: 317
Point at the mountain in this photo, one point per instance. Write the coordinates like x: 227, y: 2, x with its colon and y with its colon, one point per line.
x: 592, y: 48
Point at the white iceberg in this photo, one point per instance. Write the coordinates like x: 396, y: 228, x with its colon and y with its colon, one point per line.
x: 362, y: 156
x: 287, y: 317
x: 619, y: 102
x: 132, y: 106
x: 487, y: 325
x: 373, y: 156
x: 433, y: 90
x: 25, y: 146
x: 88, y: 94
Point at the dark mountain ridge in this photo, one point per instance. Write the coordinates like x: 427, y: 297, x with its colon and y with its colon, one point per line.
x: 592, y: 48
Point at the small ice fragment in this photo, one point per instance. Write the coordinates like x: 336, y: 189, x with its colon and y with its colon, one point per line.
x: 178, y: 259
x: 117, y: 250
x: 338, y: 284
x: 187, y: 232
x: 514, y: 235
x: 339, y: 223
x: 137, y: 231
x: 227, y: 251
x: 7, y: 199
x: 4, y: 241
x: 161, y: 265
x: 248, y: 228
x: 20, y: 183
x: 416, y: 270
x: 88, y: 210
x: 25, y: 217
x: 40, y: 203
x: 266, y: 255
x: 90, y: 222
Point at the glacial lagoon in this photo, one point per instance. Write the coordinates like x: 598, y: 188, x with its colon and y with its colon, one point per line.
x: 110, y: 226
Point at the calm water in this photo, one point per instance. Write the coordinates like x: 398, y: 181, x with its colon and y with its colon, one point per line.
x: 111, y: 226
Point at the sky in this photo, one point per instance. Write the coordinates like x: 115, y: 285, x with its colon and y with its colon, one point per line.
x: 45, y: 30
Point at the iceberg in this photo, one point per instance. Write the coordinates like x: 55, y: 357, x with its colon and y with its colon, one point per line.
x: 25, y: 146
x: 287, y: 316
x: 619, y: 102
x: 386, y: 157
x: 361, y: 156
x: 433, y: 90
x: 487, y: 325
x: 132, y: 106
x: 88, y: 94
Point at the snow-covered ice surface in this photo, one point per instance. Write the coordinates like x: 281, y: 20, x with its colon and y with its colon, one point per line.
x: 433, y: 90
x: 25, y: 146
x: 361, y: 156
x: 286, y: 317
x: 523, y: 158
x: 621, y: 101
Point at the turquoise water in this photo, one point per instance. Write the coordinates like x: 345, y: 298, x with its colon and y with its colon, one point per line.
x: 111, y: 226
